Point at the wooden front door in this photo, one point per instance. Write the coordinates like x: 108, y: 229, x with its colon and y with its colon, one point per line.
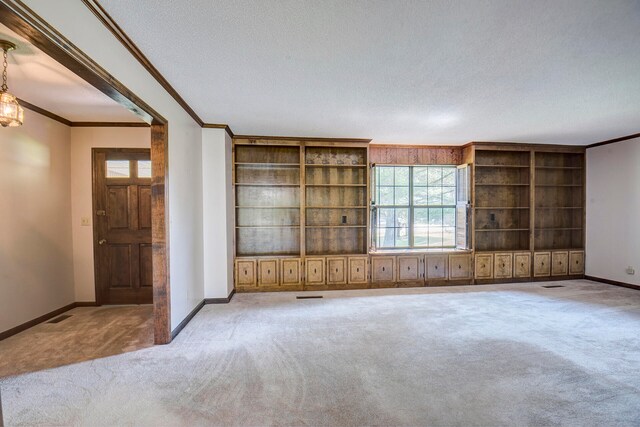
x: 122, y: 226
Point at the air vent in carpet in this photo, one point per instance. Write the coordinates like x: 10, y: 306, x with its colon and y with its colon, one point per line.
x: 308, y: 296
x: 60, y: 318
x: 553, y: 286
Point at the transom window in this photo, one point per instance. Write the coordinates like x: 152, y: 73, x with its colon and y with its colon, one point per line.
x: 416, y: 206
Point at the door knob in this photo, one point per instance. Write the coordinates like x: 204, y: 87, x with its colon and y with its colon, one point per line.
x: 102, y: 242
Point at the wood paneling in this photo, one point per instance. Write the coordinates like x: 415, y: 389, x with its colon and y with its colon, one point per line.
x: 314, y: 271
x: 576, y: 262
x: 409, y: 268
x: 559, y: 263
x: 383, y: 269
x: 290, y: 271
x: 358, y: 271
x: 336, y: 270
x: 459, y: 267
x: 541, y: 264
x: 267, y: 272
x: 484, y: 266
x: 503, y: 265
x: 414, y: 155
x: 436, y: 267
x: 246, y: 273
x: 522, y: 264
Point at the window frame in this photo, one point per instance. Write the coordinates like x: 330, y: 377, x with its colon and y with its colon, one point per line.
x: 411, y: 207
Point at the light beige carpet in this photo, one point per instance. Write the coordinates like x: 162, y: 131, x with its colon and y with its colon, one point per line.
x: 485, y: 355
x: 90, y: 333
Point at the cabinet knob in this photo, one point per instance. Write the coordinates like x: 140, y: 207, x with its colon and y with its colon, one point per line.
x: 290, y: 271
x: 522, y: 264
x: 382, y: 268
x: 409, y: 268
x: 245, y: 272
x: 357, y: 270
x: 436, y: 267
x: 542, y: 263
x: 577, y: 262
x: 314, y: 271
x: 482, y: 266
x: 503, y: 265
x: 268, y: 271
x: 459, y: 266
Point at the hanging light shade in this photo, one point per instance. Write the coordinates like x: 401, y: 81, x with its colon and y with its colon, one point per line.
x: 11, y: 113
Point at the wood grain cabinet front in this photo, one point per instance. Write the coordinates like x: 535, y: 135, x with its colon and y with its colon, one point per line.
x: 541, y: 264
x: 358, y: 272
x: 409, y: 268
x: 314, y: 271
x: 484, y: 266
x: 290, y: 271
x: 522, y: 264
x: 576, y: 262
x: 503, y: 265
x: 246, y: 274
x: 459, y: 267
x: 559, y: 263
x: 383, y: 269
x: 436, y: 267
x: 336, y: 270
x: 267, y: 272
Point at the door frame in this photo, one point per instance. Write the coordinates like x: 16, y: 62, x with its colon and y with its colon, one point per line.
x: 21, y: 19
x: 95, y: 180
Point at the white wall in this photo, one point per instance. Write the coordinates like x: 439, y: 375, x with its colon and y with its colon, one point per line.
x: 36, y: 267
x: 218, y: 213
x: 82, y: 141
x: 613, y: 211
x: 74, y: 20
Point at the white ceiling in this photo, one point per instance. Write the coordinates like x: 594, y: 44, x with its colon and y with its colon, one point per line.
x: 41, y: 81
x: 432, y: 72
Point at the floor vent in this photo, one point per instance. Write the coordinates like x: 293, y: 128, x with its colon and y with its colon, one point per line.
x: 60, y: 318
x: 309, y: 297
x: 553, y: 286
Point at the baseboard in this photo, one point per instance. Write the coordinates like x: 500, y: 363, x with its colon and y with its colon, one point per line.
x: 31, y: 323
x: 86, y: 304
x: 613, y: 282
x: 220, y: 300
x: 186, y: 320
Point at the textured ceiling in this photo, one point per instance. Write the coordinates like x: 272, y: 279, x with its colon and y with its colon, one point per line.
x: 40, y: 80
x: 432, y: 72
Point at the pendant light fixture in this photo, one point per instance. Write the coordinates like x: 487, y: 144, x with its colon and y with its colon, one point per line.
x: 11, y: 113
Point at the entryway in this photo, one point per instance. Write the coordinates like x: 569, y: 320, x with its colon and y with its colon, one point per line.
x: 122, y: 226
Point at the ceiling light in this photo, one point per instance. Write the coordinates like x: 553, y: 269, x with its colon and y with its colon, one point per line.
x: 11, y: 113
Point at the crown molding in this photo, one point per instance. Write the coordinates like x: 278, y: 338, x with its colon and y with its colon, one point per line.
x: 613, y: 141
x: 126, y: 41
x: 44, y: 112
x: 303, y: 138
x: 219, y: 126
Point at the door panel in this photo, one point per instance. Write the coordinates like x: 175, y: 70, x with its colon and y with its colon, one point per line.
x: 436, y: 267
x: 122, y: 227
x: 484, y: 266
x: 522, y: 264
x: 358, y: 273
x: 314, y: 272
x: 409, y: 269
x: 336, y: 271
x: 503, y: 266
x: 382, y: 269
x: 541, y: 264
x: 268, y: 272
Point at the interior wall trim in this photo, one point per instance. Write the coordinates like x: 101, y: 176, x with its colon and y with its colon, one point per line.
x: 219, y: 126
x: 613, y: 282
x: 186, y: 320
x: 220, y: 300
x: 44, y: 112
x: 302, y: 138
x: 20, y: 18
x: 31, y: 323
x: 126, y: 41
x: 69, y: 123
x: 613, y: 141
x: 524, y: 146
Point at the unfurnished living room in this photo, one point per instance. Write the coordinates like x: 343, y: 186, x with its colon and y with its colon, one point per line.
x: 320, y: 213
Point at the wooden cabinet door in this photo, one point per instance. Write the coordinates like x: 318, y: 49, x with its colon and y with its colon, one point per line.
x: 503, y: 265
x: 268, y: 272
x: 560, y: 263
x: 290, y: 271
x: 382, y: 269
x: 336, y: 270
x: 484, y: 266
x: 246, y: 274
x: 541, y: 264
x: 459, y: 267
x: 436, y: 267
x: 522, y: 264
x: 358, y: 273
x: 314, y: 271
x: 576, y: 262
x: 409, y: 268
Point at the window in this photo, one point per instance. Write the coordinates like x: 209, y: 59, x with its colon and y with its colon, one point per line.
x: 144, y: 168
x: 118, y: 169
x: 416, y: 206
